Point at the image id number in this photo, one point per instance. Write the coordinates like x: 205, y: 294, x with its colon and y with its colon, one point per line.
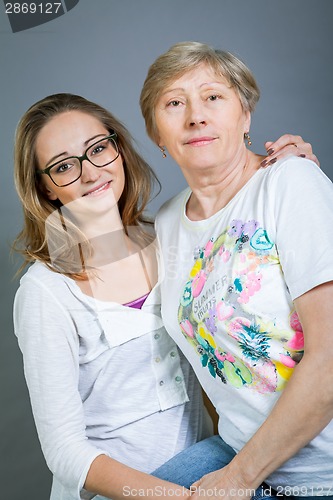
x: 300, y: 491
x: 32, y: 8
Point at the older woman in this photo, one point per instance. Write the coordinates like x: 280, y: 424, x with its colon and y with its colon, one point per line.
x: 247, y: 292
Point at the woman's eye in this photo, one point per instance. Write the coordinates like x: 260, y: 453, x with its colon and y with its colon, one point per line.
x: 214, y: 97
x: 98, y: 149
x: 173, y: 103
x: 64, y: 167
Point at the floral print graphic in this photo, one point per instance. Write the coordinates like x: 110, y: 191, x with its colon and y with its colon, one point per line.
x: 220, y: 317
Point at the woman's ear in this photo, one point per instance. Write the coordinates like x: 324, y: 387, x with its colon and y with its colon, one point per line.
x: 247, y: 121
x: 156, y: 137
x: 50, y: 195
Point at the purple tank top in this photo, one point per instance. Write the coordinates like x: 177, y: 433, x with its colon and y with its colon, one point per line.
x: 137, y: 303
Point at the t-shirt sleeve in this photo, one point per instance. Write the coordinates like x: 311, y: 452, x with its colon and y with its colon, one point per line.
x: 303, y: 211
x: 49, y: 344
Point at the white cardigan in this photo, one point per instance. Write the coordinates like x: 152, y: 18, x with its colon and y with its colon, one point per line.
x: 103, y: 379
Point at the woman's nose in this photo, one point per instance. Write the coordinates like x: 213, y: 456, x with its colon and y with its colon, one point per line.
x: 90, y: 173
x: 196, y: 114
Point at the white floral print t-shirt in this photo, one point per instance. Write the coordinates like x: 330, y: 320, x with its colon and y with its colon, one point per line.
x: 227, y: 300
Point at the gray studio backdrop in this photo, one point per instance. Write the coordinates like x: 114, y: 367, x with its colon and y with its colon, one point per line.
x: 102, y: 49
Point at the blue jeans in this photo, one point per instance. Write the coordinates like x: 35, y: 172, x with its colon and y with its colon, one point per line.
x: 200, y: 459
x: 207, y: 456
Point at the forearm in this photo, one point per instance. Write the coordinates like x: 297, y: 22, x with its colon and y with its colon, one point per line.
x: 303, y: 410
x: 114, y: 480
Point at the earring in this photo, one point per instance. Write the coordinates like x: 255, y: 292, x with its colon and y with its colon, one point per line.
x: 163, y: 151
x: 247, y: 137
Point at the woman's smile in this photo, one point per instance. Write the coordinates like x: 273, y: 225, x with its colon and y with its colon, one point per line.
x: 200, y: 141
x: 98, y: 190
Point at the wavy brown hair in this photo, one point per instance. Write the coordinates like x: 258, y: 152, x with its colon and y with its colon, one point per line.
x: 37, y: 208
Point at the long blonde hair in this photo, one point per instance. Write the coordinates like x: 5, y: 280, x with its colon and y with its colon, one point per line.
x: 139, y: 178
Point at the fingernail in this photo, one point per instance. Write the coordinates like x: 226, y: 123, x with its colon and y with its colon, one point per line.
x: 302, y: 156
x: 264, y: 163
x: 270, y: 151
x: 272, y: 161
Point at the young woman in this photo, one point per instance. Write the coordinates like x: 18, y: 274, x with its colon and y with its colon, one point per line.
x: 112, y: 397
x: 108, y: 387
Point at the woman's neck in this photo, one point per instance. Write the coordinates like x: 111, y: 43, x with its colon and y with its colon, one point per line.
x: 108, y: 241
x: 106, y: 223
x: 213, y: 189
x: 111, y: 247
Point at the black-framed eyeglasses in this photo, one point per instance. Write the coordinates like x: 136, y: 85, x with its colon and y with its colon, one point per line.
x: 68, y: 170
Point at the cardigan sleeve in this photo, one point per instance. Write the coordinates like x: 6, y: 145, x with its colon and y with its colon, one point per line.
x: 50, y: 348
